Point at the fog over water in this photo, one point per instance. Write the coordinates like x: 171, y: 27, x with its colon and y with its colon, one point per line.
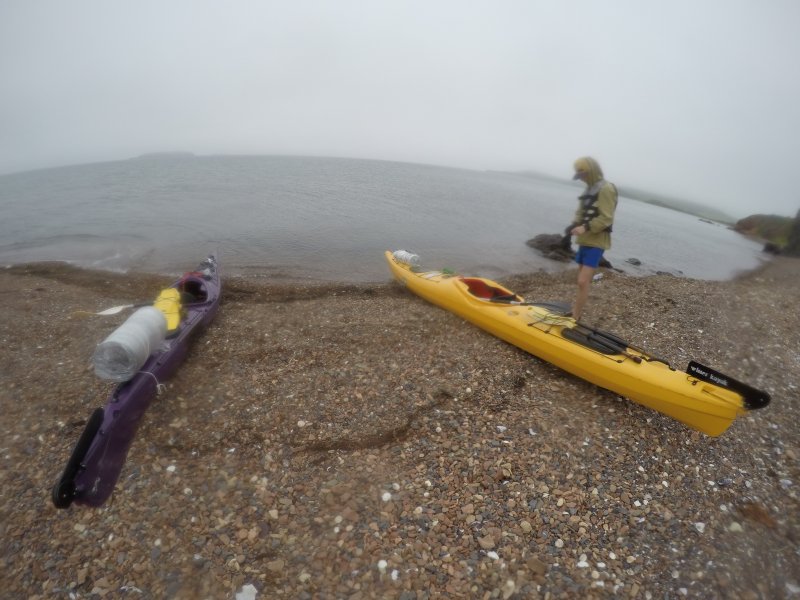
x: 329, y: 219
x: 696, y: 100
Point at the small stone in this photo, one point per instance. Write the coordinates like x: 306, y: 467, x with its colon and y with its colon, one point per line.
x: 486, y: 542
x: 276, y: 566
x: 735, y: 527
x: 536, y: 566
x: 526, y: 526
x: 559, y: 543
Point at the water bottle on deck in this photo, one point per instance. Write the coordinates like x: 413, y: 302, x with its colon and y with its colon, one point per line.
x: 407, y: 258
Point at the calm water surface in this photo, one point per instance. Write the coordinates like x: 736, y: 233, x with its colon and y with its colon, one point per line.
x: 328, y: 219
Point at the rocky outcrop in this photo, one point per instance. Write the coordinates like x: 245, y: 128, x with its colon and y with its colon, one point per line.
x: 773, y: 230
x: 793, y: 243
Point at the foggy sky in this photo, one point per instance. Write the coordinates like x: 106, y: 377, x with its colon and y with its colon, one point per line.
x: 699, y: 99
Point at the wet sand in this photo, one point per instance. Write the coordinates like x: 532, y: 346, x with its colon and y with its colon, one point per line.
x: 353, y: 441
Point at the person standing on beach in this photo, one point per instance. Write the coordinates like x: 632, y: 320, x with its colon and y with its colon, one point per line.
x: 591, y: 226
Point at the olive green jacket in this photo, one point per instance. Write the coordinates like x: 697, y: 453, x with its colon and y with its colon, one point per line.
x: 597, y: 216
x: 598, y: 234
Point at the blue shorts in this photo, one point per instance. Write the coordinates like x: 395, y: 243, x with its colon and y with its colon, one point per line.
x: 589, y: 256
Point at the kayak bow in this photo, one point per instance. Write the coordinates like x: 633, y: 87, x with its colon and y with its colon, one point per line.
x: 96, y: 461
x: 701, y: 398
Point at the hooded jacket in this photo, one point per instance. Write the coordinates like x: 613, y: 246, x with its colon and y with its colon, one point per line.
x: 596, y: 206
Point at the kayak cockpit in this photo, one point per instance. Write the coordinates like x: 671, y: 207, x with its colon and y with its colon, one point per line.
x: 192, y: 289
x: 483, y: 290
x: 198, y: 287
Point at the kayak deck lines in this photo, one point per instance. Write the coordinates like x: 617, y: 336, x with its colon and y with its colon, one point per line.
x: 700, y: 397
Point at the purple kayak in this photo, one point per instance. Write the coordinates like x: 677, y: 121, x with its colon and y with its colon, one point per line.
x: 97, y: 459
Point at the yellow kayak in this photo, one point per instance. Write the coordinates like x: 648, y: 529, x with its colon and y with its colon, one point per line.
x: 699, y: 397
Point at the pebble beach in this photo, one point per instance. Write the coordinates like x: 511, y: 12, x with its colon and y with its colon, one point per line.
x: 353, y: 441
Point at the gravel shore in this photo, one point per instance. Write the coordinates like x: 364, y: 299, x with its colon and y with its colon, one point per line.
x: 354, y: 441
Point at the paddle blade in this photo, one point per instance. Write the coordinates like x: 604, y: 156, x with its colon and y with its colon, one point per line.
x: 114, y: 310
x: 103, y: 313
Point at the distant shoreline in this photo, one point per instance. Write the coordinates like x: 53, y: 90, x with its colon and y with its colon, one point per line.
x: 684, y: 206
x: 155, y: 155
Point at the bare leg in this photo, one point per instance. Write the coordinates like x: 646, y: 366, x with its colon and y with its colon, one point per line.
x: 585, y: 275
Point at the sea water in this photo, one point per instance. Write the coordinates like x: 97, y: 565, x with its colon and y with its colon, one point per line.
x: 329, y: 219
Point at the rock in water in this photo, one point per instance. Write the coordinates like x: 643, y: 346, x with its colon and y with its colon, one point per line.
x: 558, y: 247
x: 553, y: 246
x: 793, y: 244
